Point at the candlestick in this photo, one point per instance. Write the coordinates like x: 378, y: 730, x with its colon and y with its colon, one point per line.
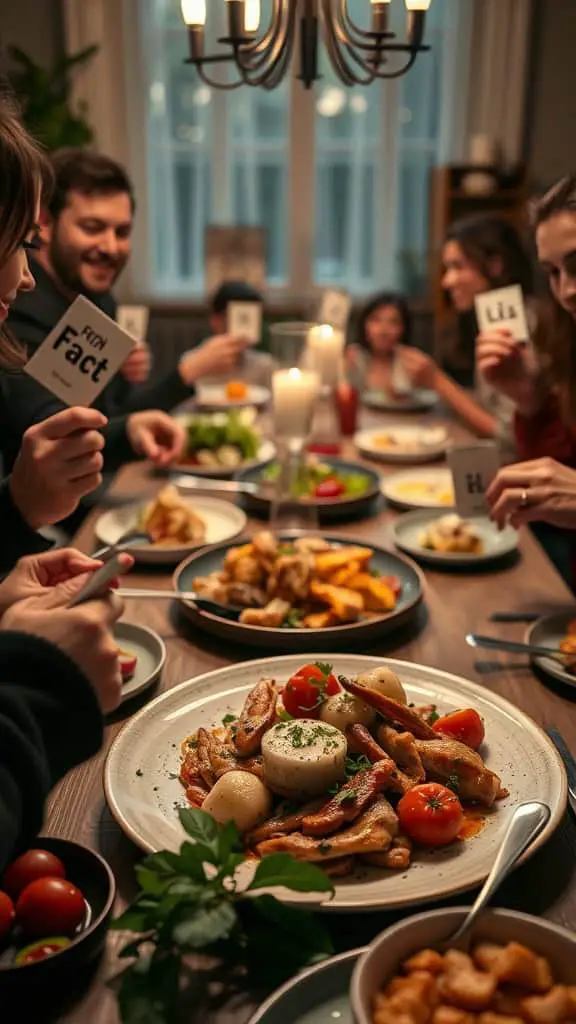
x: 294, y: 393
x: 325, y: 348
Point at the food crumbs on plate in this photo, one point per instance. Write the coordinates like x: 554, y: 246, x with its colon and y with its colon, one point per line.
x: 139, y: 773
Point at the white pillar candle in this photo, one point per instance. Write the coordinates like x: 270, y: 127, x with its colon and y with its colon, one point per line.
x: 325, y: 347
x: 294, y: 393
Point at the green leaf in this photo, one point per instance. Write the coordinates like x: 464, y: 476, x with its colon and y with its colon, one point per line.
x: 131, y: 948
x: 229, y: 843
x: 325, y: 668
x: 284, y: 869
x: 135, y: 918
x: 191, y: 860
x: 149, y: 990
x: 164, y: 863
x: 201, y: 827
x: 150, y: 881
x: 205, y: 926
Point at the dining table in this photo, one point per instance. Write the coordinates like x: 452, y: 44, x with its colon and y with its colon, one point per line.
x: 455, y: 604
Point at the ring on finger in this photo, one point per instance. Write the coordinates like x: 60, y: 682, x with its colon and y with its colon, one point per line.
x: 523, y: 499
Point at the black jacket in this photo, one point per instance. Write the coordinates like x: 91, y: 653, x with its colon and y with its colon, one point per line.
x: 16, y: 537
x: 49, y: 722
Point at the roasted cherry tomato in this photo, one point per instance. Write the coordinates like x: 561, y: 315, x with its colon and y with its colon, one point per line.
x: 465, y: 725
x: 50, y: 906
x: 28, y: 867
x: 41, y: 949
x: 430, y: 814
x: 307, y: 689
x: 329, y: 488
x: 7, y: 914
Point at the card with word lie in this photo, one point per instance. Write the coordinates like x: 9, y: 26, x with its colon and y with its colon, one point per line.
x: 81, y: 354
x: 473, y: 468
x: 503, y: 309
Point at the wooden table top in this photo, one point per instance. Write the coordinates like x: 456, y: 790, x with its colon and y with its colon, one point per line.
x: 454, y: 604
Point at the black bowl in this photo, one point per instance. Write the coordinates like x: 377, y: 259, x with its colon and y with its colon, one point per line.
x: 328, y: 509
x: 46, y: 981
x: 348, y: 636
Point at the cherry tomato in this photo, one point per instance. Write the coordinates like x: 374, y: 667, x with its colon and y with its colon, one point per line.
x: 394, y: 583
x: 28, y: 867
x: 307, y: 689
x: 465, y: 725
x: 41, y: 949
x: 329, y: 488
x: 7, y: 914
x: 430, y: 814
x: 50, y: 906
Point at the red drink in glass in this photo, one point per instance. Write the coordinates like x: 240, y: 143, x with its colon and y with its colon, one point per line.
x: 346, y: 398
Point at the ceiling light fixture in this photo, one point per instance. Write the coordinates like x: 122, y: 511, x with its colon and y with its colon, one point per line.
x: 263, y: 57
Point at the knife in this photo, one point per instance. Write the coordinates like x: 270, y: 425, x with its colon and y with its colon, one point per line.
x: 569, y: 764
x: 495, y: 643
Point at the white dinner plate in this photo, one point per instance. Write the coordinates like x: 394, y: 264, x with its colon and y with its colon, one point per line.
x: 213, y: 398
x: 408, y: 443
x: 419, y: 488
x: 143, y: 791
x: 150, y: 654
x: 496, y: 543
x: 549, y: 631
x: 266, y: 453
x: 419, y: 400
x: 223, y: 522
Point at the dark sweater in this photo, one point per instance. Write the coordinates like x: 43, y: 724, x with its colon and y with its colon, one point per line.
x: 49, y: 722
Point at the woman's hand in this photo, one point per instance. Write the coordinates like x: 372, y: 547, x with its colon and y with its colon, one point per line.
x: 84, y: 633
x: 60, y: 460
x: 136, y: 368
x: 36, y: 575
x: 157, y: 436
x: 419, y: 367
x: 541, y: 490
x: 510, y: 368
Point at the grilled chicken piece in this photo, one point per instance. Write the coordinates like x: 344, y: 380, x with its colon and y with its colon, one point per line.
x: 270, y: 617
x: 216, y: 758
x: 290, y: 577
x: 340, y: 867
x: 391, y: 709
x: 265, y: 548
x: 282, y: 824
x: 191, y: 777
x: 444, y: 759
x: 361, y: 741
x: 350, y: 801
x: 401, y: 747
x: 258, y: 715
x: 397, y: 858
x: 373, y: 832
x: 316, y: 545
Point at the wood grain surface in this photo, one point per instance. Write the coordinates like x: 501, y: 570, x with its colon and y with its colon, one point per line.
x: 454, y: 604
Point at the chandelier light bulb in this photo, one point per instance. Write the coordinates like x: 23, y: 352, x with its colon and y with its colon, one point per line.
x: 194, y: 12
x: 418, y: 5
x: 251, y: 15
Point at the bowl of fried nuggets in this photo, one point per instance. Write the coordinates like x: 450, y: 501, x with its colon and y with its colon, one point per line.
x: 519, y: 970
x: 292, y: 588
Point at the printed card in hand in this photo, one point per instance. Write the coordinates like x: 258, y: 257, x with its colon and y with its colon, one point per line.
x: 134, y: 320
x: 81, y: 354
x: 335, y: 309
x: 503, y: 310
x: 473, y: 468
x: 244, y: 320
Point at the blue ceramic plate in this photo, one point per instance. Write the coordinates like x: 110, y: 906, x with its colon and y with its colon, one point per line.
x: 317, y: 996
x: 329, y: 509
x: 384, y: 562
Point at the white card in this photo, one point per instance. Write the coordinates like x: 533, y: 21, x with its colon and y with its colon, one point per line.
x: 473, y: 468
x: 244, y: 320
x: 503, y: 309
x: 134, y: 320
x: 400, y: 382
x: 335, y: 309
x: 81, y: 354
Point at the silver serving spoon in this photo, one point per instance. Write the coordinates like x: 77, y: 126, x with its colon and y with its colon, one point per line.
x: 527, y: 821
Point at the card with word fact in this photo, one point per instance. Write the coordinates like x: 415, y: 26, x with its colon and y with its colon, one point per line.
x: 473, y: 468
x: 81, y: 354
x: 503, y: 310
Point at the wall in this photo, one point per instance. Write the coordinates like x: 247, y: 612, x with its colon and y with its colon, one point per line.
x: 552, y: 93
x: 34, y: 25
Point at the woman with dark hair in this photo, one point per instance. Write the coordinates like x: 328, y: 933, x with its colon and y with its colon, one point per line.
x: 383, y: 328
x: 542, y: 390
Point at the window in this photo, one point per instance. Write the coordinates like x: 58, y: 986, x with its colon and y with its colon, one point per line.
x: 338, y: 177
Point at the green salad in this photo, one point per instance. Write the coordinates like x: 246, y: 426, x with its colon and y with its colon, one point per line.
x: 222, y: 439
x: 322, y: 481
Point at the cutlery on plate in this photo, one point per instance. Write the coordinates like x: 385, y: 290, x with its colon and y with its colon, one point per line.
x: 526, y: 822
x: 198, y: 483
x: 495, y: 643
x: 131, y: 538
x: 515, y: 616
x: 569, y: 764
x: 204, y: 603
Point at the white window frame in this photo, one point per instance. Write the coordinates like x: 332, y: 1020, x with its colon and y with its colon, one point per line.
x: 493, y: 75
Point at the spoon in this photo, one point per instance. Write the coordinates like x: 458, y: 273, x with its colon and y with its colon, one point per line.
x: 527, y: 821
x: 494, y: 643
x: 205, y: 604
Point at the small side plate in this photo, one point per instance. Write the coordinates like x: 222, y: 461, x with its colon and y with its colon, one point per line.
x: 548, y: 632
x: 150, y: 652
x: 319, y: 995
x: 419, y: 400
x: 496, y: 543
x: 212, y: 397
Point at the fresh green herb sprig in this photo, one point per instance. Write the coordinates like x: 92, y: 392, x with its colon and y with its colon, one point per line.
x: 190, y: 902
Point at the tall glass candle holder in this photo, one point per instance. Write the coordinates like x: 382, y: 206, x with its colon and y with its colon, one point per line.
x: 294, y: 396
x: 325, y: 354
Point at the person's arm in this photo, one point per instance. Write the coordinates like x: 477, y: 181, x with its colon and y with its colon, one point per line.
x: 545, y: 434
x: 49, y: 723
x: 481, y: 421
x: 17, y: 538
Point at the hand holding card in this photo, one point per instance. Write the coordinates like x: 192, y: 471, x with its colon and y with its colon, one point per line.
x: 503, y: 309
x: 244, y: 320
x: 335, y: 309
x: 473, y: 468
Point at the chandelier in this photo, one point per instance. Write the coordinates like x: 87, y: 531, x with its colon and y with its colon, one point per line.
x: 262, y: 57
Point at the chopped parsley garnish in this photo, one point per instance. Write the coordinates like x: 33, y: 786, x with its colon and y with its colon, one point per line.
x: 356, y: 763
x: 433, y: 717
x: 324, y: 667
x: 293, y: 619
x: 286, y: 549
x: 346, y: 795
x: 453, y: 783
x: 228, y: 719
x: 284, y: 715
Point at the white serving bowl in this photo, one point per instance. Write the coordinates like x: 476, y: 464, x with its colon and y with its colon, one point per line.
x: 383, y: 957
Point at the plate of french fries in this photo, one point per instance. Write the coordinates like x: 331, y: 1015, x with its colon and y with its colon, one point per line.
x: 298, y: 587
x: 176, y: 525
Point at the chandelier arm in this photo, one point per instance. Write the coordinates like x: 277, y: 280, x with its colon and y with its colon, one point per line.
x: 258, y: 61
x: 382, y: 75
x: 279, y: 56
x: 342, y: 67
x: 228, y: 86
x: 257, y: 46
x: 359, y: 36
